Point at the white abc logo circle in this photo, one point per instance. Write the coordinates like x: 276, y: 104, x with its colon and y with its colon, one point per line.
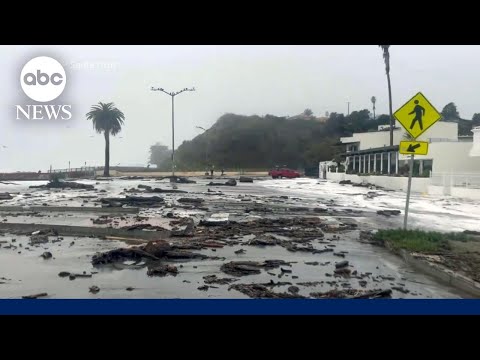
x: 43, y: 79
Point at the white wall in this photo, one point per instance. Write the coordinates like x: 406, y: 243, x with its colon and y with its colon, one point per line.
x: 369, y: 140
x: 112, y: 172
x: 419, y: 185
x: 468, y: 193
x: 438, y: 190
x: 455, y: 191
x: 338, y: 176
x: 453, y: 157
x: 440, y: 131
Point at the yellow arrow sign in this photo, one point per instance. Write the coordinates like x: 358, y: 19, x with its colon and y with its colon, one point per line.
x: 413, y: 147
x: 417, y: 115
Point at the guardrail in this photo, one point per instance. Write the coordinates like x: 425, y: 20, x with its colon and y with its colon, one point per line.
x: 75, y: 172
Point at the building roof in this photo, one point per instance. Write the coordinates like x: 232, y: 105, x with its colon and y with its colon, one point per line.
x: 346, y: 143
x: 372, y: 151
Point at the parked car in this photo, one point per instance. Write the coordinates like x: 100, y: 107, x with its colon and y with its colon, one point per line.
x: 283, y: 173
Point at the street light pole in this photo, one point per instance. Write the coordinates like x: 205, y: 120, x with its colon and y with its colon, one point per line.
x: 173, y: 138
x: 172, y: 94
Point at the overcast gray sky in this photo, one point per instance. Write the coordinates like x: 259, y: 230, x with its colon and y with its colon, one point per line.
x: 278, y: 80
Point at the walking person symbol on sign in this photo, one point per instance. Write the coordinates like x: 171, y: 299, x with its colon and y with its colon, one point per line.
x: 419, y: 112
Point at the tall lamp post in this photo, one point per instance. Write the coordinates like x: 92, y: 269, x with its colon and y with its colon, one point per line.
x: 172, y: 94
x: 206, y: 149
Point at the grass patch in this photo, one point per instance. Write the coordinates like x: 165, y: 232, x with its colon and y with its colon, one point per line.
x: 459, y: 237
x: 419, y: 241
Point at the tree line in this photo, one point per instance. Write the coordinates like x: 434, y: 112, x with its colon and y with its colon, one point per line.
x: 259, y: 142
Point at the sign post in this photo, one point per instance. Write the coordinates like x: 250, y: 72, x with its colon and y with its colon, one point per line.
x: 416, y: 116
x: 407, y: 203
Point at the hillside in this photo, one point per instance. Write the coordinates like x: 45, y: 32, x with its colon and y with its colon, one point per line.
x: 261, y: 142
x: 254, y: 142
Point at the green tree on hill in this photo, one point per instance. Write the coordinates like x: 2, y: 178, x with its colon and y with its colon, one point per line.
x: 476, y: 120
x: 450, y: 112
x: 254, y: 142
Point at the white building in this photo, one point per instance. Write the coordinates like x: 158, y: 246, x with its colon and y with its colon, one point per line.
x: 451, y: 167
x: 371, y: 153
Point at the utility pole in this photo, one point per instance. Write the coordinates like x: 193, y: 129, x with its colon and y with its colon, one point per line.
x: 172, y: 95
x: 348, y: 108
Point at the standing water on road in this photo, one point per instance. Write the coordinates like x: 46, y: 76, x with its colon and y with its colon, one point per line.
x: 261, y: 244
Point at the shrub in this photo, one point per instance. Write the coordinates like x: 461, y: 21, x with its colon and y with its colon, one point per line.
x: 418, y: 240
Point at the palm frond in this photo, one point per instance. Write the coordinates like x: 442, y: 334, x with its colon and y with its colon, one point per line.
x: 386, y: 56
x: 106, y: 117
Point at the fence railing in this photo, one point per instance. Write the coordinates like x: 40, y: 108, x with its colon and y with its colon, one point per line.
x: 466, y: 180
x: 75, y: 172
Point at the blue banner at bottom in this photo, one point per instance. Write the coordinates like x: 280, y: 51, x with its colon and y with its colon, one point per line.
x: 239, y: 307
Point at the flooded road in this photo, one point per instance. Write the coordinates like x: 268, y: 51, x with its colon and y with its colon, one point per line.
x: 23, y: 271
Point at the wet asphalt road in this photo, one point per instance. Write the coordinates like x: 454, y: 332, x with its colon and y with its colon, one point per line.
x: 27, y: 273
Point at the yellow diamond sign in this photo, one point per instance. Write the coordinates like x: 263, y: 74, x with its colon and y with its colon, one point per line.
x: 417, y: 115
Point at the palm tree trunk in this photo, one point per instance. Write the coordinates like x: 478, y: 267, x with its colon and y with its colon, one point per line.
x: 390, y: 105
x: 106, y: 168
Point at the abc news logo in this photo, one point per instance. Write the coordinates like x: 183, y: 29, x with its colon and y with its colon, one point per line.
x: 43, y: 79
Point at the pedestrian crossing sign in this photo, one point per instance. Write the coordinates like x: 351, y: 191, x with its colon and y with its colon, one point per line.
x: 417, y: 115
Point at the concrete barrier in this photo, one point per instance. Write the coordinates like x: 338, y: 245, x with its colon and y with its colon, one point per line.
x: 463, y: 192
x: 85, y: 231
x: 24, y: 176
x: 107, y: 210
x: 439, y: 272
x: 419, y: 185
x: 437, y: 190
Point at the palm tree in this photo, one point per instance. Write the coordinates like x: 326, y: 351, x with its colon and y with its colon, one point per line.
x: 108, y: 119
x: 374, y: 100
x: 386, y: 58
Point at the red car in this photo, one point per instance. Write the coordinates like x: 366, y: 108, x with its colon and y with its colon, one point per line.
x: 286, y: 173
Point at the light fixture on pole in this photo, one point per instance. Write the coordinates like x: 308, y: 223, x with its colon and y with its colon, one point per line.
x: 172, y: 95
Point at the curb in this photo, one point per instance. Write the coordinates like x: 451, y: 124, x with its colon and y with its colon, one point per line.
x: 84, y: 231
x: 440, y: 273
x: 86, y: 209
